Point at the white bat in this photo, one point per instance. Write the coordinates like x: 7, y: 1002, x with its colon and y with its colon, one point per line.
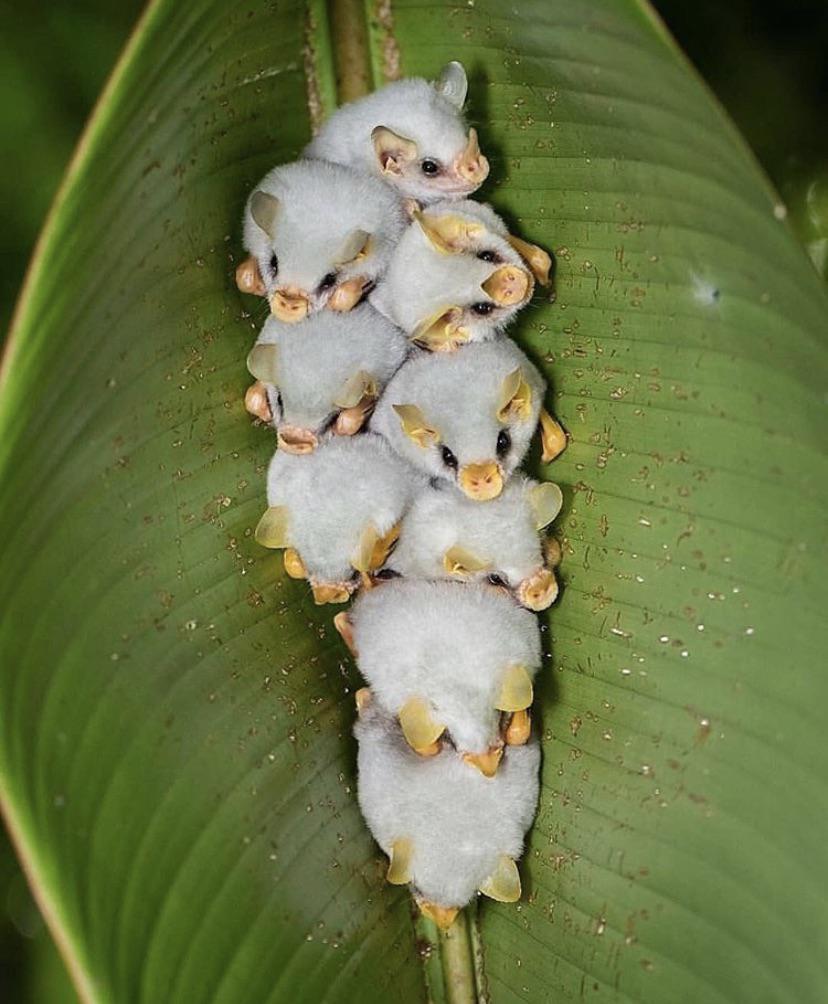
x: 411, y: 134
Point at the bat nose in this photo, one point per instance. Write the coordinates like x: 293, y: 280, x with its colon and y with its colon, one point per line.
x: 488, y: 762
x: 539, y: 590
x: 481, y: 482
x: 472, y: 166
x: 330, y: 592
x: 508, y: 285
x: 293, y: 439
x: 289, y: 305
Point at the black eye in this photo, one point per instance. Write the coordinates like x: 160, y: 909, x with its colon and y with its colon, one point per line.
x: 274, y: 264
x: 386, y: 573
x: 279, y: 403
x: 430, y: 167
x: 504, y: 442
x: 328, y: 281
x: 495, y: 579
x: 487, y: 255
x: 449, y: 458
x: 482, y: 308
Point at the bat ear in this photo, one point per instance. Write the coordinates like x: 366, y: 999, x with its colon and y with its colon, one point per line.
x: 393, y: 151
x: 440, y: 331
x: 355, y: 246
x: 452, y: 83
x: 359, y: 386
x: 515, y: 690
x: 448, y: 234
x: 263, y: 209
x: 504, y: 882
x: 538, y: 260
x: 399, y: 867
x: 374, y: 549
x: 515, y: 400
x: 261, y: 363
x: 271, y: 530
x: 415, y: 426
x: 419, y: 726
x: 546, y: 500
x: 460, y: 562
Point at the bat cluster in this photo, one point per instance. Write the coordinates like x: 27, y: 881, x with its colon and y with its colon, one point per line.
x: 402, y: 413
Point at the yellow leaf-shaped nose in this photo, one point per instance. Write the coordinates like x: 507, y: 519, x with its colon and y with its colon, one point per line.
x: 292, y: 439
x: 472, y: 166
x: 289, y: 305
x: 330, y: 592
x: 481, y: 482
x: 539, y: 590
x: 487, y: 763
x: 508, y: 285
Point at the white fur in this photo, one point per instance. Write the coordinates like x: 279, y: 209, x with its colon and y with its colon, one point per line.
x: 459, y: 821
x: 319, y: 355
x: 414, y: 110
x: 448, y: 643
x: 333, y: 493
x: 458, y: 393
x: 422, y: 281
x: 502, y: 533
x: 320, y: 205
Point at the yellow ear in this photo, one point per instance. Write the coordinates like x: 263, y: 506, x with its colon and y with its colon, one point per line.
x: 360, y: 385
x: 546, y: 500
x: 538, y: 260
x: 356, y: 245
x: 261, y: 363
x: 504, y: 882
x: 393, y: 151
x: 449, y: 234
x: 399, y: 867
x: 271, y: 530
x: 440, y: 331
x: 515, y: 400
x: 415, y: 426
x: 458, y: 561
x: 516, y: 689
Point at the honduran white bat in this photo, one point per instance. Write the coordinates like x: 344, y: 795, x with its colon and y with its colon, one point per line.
x: 458, y: 276
x: 447, y: 831
x: 468, y: 417
x: 410, y: 133
x: 446, y: 535
x: 453, y: 661
x: 323, y: 375
x: 336, y: 511
x: 319, y: 235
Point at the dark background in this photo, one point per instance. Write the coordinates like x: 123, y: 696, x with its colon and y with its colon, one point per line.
x: 767, y: 62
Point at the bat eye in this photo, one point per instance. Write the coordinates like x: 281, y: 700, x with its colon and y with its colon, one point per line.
x: 328, y: 281
x: 486, y: 255
x: 386, y: 573
x: 430, y: 167
x: 482, y: 309
x: 274, y: 264
x: 449, y: 458
x: 279, y: 402
x: 495, y: 579
x: 504, y: 442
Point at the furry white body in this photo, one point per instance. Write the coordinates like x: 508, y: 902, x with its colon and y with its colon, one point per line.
x: 459, y: 395
x: 333, y: 493
x: 320, y: 206
x: 458, y: 821
x: 502, y: 534
x: 448, y: 643
x: 316, y: 359
x: 422, y: 281
x: 413, y: 108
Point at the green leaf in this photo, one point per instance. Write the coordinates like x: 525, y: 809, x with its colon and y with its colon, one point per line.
x: 175, y: 761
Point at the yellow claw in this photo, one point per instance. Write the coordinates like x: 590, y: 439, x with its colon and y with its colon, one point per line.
x: 458, y: 561
x: 294, y: 565
x: 504, y: 882
x: 443, y: 916
x: 515, y: 401
x: 516, y: 689
x: 488, y: 762
x: 553, y: 437
x: 519, y: 729
x: 330, y: 592
x: 538, y: 260
x: 399, y: 867
x: 271, y: 530
x: 415, y: 425
x: 481, y: 482
x: 419, y: 726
